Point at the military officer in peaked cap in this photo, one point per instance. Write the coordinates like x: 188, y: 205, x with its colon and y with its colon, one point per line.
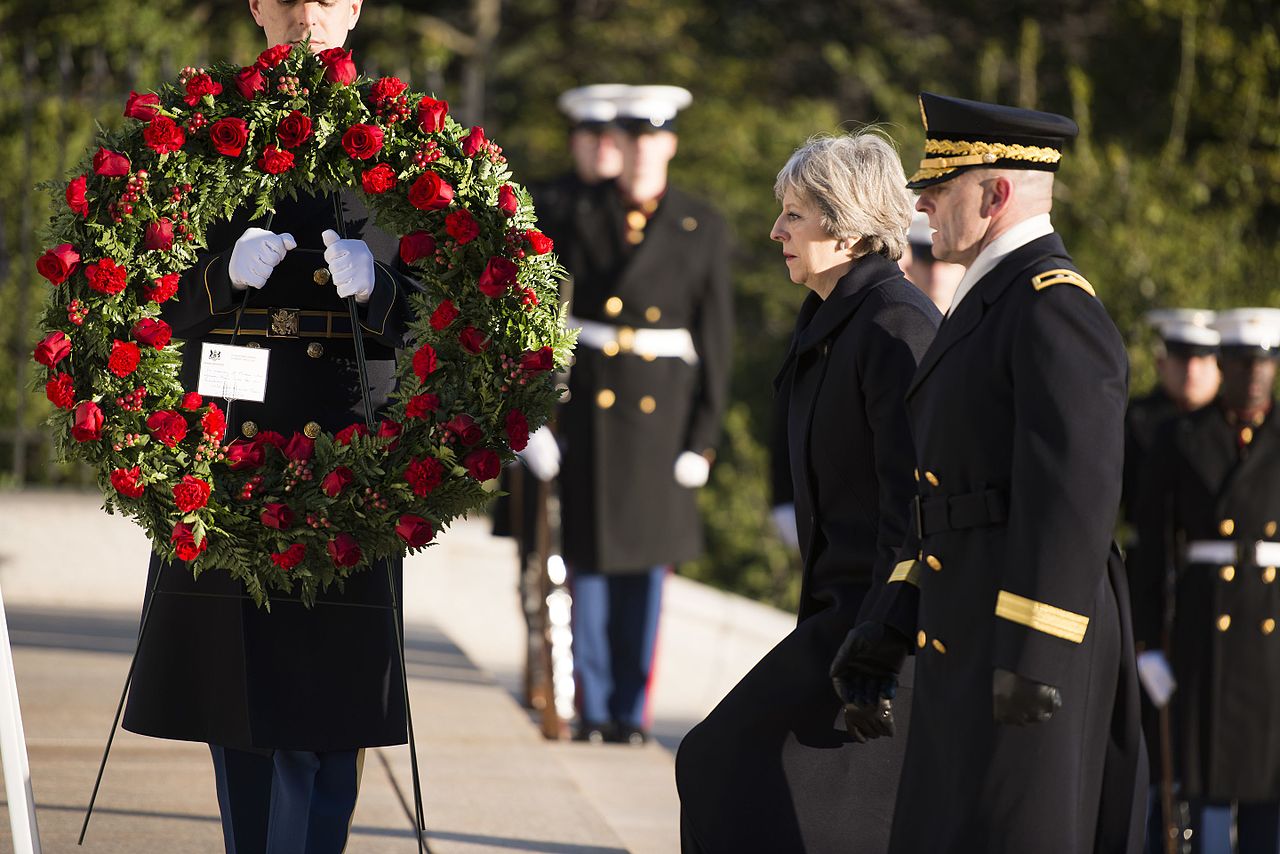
x: 652, y: 296
x: 1024, y: 726
x: 1208, y: 512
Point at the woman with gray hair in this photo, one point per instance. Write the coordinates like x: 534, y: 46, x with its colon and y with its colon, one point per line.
x: 783, y: 763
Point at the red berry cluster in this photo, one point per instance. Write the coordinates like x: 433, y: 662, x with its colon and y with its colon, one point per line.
x: 77, y: 312
x: 514, y: 374
x: 250, y: 485
x: 295, y: 472
x: 134, y: 189
x: 176, y: 194
x: 427, y: 154
x: 291, y: 86
x: 317, y: 521
x: 196, y: 122
x: 128, y: 441
x: 132, y: 402
x: 392, y: 110
x: 374, y: 499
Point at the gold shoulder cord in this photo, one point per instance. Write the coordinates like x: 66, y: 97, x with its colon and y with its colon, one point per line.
x: 1062, y: 277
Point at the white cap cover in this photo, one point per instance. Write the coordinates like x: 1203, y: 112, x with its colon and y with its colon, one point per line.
x: 1249, y: 327
x: 655, y: 104
x: 592, y: 103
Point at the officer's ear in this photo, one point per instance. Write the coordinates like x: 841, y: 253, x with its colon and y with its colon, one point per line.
x: 356, y: 6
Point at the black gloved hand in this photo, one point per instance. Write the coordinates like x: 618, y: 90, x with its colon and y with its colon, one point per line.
x: 864, y: 674
x: 1020, y: 701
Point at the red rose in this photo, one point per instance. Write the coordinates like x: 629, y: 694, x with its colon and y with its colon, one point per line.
x: 124, y: 358
x: 344, y: 550
x: 462, y: 226
x: 273, y: 56
x: 507, y: 201
x: 58, y: 263
x: 336, y: 481
x: 142, y: 107
x: 164, y: 135
x: 191, y: 493
x: 300, y: 448
x: 414, y: 530
x: 497, y: 277
x: 431, y: 114
x: 290, y: 557
x: 465, y: 428
x: 415, y: 246
x: 278, y: 516
x: 473, y: 340
x: 229, y: 136
x: 162, y: 288
x: 379, y: 179
x: 275, y: 161
x: 61, y: 391
x: 537, y: 361
x: 109, y: 164
x: 389, y: 429
x: 191, y: 401
x: 152, y: 332
x: 75, y: 195
x: 430, y: 192
x: 423, y: 475
x: 338, y: 66
x: 539, y: 242
x: 250, y: 82
x: 444, y: 314
x: 362, y: 141
x: 517, y: 427
x: 473, y: 142
x: 424, y: 362
x: 52, y: 349
x: 344, y: 436
x: 245, y: 456
x: 386, y: 88
x: 127, y: 482
x: 184, y: 542
x: 167, y: 427
x: 482, y: 464
x: 158, y: 236
x: 107, y: 277
x: 272, y: 438
x: 420, y: 405
x: 87, y: 424
x: 214, y: 423
x: 294, y: 129
x: 199, y: 86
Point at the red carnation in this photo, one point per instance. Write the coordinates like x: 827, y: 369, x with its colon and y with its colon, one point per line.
x: 290, y: 557
x: 517, y: 427
x: 299, y: 448
x: 462, y: 226
x: 191, y: 401
x: 228, y: 136
x: 497, y: 277
x: 245, y: 456
x: 344, y: 436
x: 167, y: 427
x: 163, y: 288
x: 424, y: 362
x: 152, y: 332
x: 107, y: 277
x: 199, y: 86
x: 124, y: 358
x: 482, y: 464
x: 416, y: 246
x: 423, y: 475
x: 421, y: 405
x: 431, y: 114
x: 275, y: 161
x: 339, y: 67
x: 473, y: 142
x: 249, y: 82
x: 386, y: 88
x: 537, y: 361
x: 379, y: 179
x: 58, y: 263
x: 465, y: 428
x: 109, y: 164
x: 87, y: 423
x: 362, y: 141
x: 389, y: 429
x: 539, y: 242
x: 159, y: 235
x: 52, y: 349
x: 473, y: 340
x: 430, y: 192
x: 61, y: 391
x: 214, y: 423
x: 142, y: 107
x: 273, y: 56
x: 128, y: 483
x: 336, y: 481
x: 344, y: 550
x: 507, y: 201
x: 444, y: 314
x: 164, y: 135
x: 278, y: 516
x: 191, y: 493
x: 414, y: 530
x: 184, y: 542
x: 75, y: 195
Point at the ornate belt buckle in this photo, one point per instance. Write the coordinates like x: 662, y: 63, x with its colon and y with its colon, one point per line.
x: 283, y: 323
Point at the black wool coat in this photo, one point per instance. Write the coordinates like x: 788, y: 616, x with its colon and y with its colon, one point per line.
x: 1202, y: 481
x: 772, y: 768
x: 1018, y: 416
x: 211, y: 665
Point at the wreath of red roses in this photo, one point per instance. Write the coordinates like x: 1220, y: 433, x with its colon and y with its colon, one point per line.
x: 289, y: 512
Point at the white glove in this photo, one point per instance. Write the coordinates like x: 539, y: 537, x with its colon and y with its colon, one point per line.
x: 1156, y: 677
x: 351, y: 264
x: 692, y: 470
x: 784, y: 524
x: 541, y: 456
x: 255, y: 255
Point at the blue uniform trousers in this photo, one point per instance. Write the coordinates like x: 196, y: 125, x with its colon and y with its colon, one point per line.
x: 1257, y: 828
x: 615, y: 630
x: 286, y: 801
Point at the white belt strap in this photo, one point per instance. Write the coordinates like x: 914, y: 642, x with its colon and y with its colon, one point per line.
x: 652, y: 343
x: 1225, y: 552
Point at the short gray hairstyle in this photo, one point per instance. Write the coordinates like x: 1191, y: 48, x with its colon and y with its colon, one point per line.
x: 857, y: 182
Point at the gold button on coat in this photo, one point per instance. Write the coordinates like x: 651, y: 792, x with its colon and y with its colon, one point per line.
x: 637, y: 220
x: 1268, y: 626
x: 931, y: 477
x: 249, y: 429
x: 254, y: 345
x: 648, y: 404
x: 917, y: 474
x: 315, y: 349
x: 1270, y: 530
x: 321, y: 276
x: 1226, y: 527
x: 921, y: 639
x: 1224, y: 622
x: 934, y: 563
x: 605, y: 398
x: 689, y: 224
x: 1227, y: 573
x: 610, y: 348
x: 1268, y: 574
x: 613, y: 306
x: 1246, y: 435
x: 311, y: 430
x: 939, y: 646
x: 653, y: 314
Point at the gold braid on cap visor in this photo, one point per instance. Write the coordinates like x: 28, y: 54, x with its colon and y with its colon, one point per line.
x: 957, y: 154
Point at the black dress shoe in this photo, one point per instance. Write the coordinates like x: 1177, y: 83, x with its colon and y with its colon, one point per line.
x: 634, y: 736
x: 593, y: 733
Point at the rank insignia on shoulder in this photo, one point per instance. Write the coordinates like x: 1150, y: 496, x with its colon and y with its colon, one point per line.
x: 1043, y: 280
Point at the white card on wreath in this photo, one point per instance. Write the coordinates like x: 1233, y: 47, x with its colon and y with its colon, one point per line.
x: 232, y: 372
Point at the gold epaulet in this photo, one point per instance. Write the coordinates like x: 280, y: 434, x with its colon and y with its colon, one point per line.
x: 1062, y: 277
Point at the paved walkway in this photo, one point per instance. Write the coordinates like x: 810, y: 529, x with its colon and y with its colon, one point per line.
x: 72, y: 579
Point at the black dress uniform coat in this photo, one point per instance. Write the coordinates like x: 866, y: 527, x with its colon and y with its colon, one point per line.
x: 1017, y: 412
x: 772, y: 768
x: 629, y: 418
x: 1204, y: 481
x: 211, y: 665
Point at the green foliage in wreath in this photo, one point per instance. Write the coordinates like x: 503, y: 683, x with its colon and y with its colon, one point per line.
x: 296, y: 514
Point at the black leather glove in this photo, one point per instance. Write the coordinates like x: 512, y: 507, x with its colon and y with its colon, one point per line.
x: 864, y: 674
x: 1020, y: 701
